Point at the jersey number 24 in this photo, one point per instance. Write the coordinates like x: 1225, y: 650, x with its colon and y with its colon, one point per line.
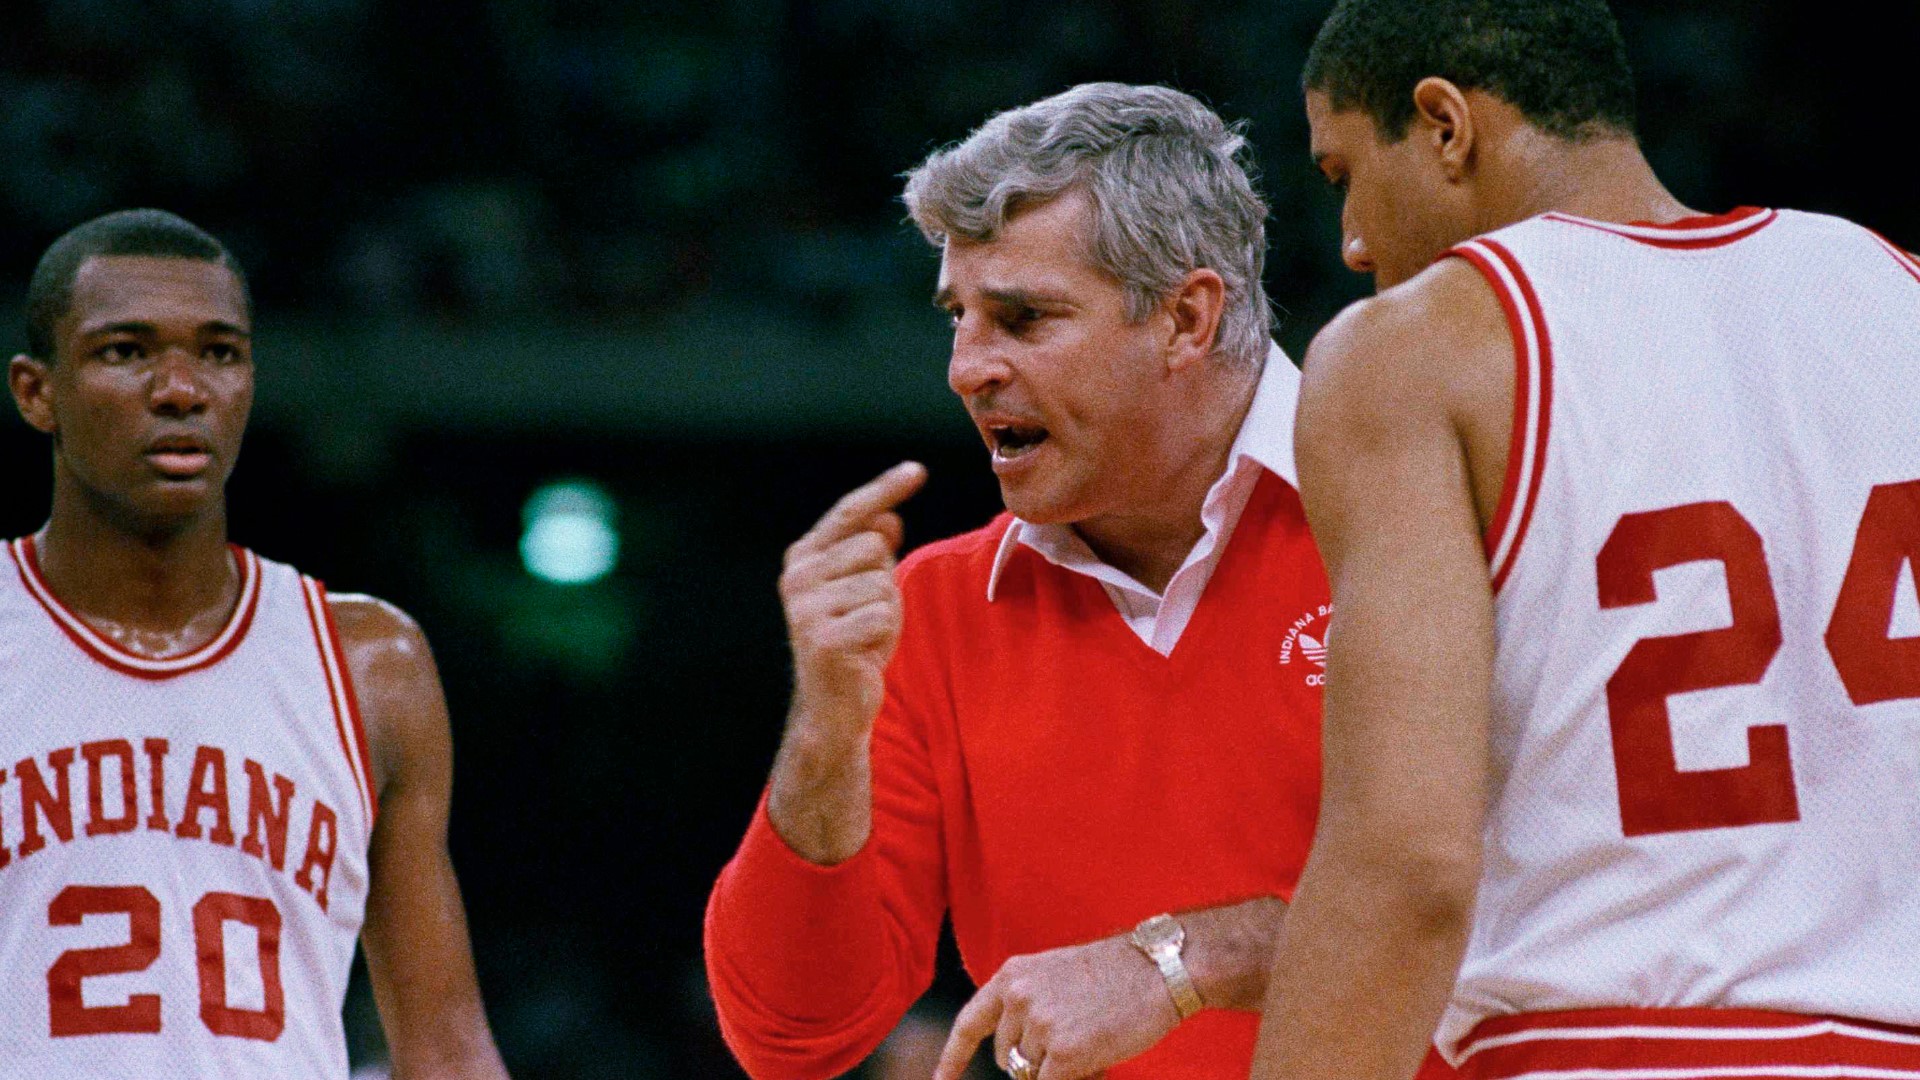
x: 1656, y: 796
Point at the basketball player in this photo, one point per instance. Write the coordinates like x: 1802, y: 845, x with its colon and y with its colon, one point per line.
x: 214, y: 770
x: 1619, y: 504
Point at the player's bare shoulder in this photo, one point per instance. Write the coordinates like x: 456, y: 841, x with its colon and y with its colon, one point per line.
x: 394, y: 676
x: 1421, y: 341
x: 1433, y: 350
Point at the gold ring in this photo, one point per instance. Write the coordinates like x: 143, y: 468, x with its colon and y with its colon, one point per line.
x: 1019, y: 1067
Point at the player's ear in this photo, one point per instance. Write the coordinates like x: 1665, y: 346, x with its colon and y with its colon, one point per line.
x: 1195, y: 310
x: 1444, y: 119
x: 32, y: 391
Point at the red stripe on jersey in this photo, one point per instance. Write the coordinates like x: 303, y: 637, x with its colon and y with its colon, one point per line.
x: 353, y: 708
x: 340, y: 692
x: 1687, y: 234
x: 1521, y: 377
x: 26, y: 558
x: 1900, y: 255
x: 1532, y: 386
x: 1675, y: 1044
x: 1542, y: 402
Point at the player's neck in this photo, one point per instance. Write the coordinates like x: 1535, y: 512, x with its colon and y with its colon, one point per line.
x: 1602, y: 179
x: 1150, y: 541
x: 145, y: 588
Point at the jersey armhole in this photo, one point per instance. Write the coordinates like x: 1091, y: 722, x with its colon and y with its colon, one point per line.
x: 345, y: 702
x: 1907, y: 260
x: 1532, y: 396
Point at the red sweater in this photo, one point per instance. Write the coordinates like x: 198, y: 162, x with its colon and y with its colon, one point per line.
x: 1047, y: 779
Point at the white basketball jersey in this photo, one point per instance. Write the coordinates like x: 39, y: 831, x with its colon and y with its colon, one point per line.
x: 183, y: 842
x: 1706, y: 723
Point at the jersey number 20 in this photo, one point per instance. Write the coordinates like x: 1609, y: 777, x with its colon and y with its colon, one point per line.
x: 1656, y: 796
x: 68, y: 1014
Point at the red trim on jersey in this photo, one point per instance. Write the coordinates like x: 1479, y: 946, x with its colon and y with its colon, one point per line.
x: 1532, y: 396
x: 1687, y: 234
x: 26, y: 558
x: 1675, y: 1044
x: 340, y: 692
x: 353, y: 707
x: 1900, y: 255
x: 1543, y: 401
x: 1522, y: 378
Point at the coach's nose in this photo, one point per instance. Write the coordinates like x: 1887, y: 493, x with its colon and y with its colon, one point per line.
x: 977, y: 363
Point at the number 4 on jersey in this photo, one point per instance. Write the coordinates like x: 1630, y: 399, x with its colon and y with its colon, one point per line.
x: 1656, y: 796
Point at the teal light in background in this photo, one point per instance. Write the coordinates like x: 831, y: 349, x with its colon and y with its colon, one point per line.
x: 571, y: 537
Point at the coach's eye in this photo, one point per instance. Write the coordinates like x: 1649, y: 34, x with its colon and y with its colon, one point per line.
x: 120, y: 352
x: 223, y: 353
x: 1021, y: 318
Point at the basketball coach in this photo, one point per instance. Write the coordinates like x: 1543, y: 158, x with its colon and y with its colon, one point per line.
x: 1089, y: 731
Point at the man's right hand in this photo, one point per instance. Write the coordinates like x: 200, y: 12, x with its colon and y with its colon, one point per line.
x: 843, y: 620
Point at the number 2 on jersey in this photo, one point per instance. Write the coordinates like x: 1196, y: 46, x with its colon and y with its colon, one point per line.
x: 1656, y: 796
x: 68, y: 1013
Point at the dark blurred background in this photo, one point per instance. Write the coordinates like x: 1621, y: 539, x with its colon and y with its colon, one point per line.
x: 573, y: 313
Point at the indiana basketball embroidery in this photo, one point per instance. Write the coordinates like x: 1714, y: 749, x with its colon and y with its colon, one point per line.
x: 1306, y: 643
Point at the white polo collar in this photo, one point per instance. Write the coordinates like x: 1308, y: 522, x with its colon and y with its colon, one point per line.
x: 1265, y: 441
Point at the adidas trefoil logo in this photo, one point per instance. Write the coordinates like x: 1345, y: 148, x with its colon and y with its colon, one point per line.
x: 1306, y: 642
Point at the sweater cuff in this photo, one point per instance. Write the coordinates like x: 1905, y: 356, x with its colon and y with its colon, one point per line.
x: 781, y: 921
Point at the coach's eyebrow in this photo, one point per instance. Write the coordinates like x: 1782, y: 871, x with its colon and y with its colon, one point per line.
x: 228, y: 329
x: 1004, y: 297
x: 1020, y: 298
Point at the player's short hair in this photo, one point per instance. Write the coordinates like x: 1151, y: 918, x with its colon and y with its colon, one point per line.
x: 1170, y: 186
x: 1562, y: 63
x: 154, y: 233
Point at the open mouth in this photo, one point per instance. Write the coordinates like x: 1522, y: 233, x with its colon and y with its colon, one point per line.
x: 1011, y: 441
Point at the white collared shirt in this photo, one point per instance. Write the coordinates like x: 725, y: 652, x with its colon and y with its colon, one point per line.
x: 1265, y: 441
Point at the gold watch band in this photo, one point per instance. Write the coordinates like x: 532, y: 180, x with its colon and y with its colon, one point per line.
x: 1186, y: 1000
x: 1161, y: 938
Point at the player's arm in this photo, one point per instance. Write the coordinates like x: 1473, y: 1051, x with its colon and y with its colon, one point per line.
x: 1373, y: 939
x: 415, y: 936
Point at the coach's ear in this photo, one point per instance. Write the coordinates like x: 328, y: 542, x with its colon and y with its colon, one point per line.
x: 32, y: 392
x: 1195, y: 308
x: 1444, y: 119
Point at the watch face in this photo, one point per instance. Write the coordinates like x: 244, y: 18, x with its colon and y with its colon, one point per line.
x: 1159, y: 932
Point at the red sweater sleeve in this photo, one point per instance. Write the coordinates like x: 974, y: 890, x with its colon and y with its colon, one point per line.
x: 812, y: 966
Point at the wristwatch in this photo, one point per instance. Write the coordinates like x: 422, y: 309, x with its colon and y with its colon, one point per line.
x: 1161, y: 938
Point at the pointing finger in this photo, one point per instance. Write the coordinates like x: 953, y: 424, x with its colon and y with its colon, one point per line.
x: 857, y: 508
x: 975, y: 1022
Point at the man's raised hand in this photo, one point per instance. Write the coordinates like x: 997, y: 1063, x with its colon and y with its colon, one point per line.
x: 843, y: 620
x: 842, y: 606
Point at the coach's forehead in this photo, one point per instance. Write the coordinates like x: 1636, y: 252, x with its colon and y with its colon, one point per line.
x: 116, y: 289
x: 1049, y: 241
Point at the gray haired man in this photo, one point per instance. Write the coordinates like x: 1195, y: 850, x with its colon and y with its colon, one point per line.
x: 1088, y: 731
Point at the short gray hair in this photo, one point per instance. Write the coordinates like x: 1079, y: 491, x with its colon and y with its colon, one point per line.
x: 1167, y: 177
